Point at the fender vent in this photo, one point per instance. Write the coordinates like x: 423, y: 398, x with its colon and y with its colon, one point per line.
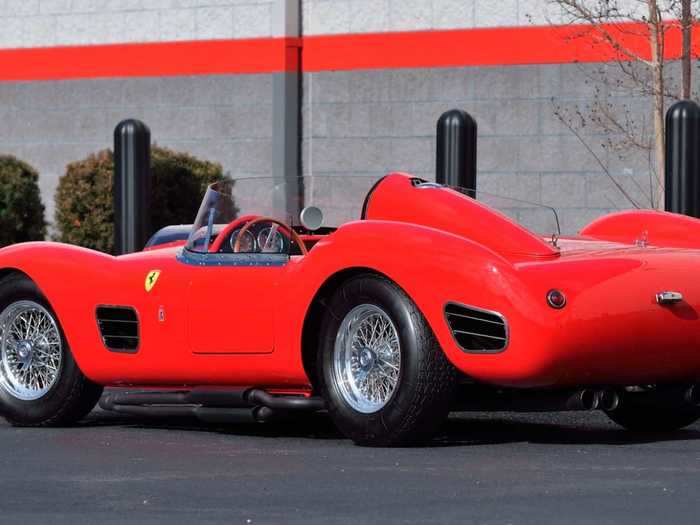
x: 119, y: 328
x: 476, y: 330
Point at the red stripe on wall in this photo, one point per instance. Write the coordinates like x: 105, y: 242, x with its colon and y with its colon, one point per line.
x: 265, y: 55
x: 482, y: 47
x: 469, y: 47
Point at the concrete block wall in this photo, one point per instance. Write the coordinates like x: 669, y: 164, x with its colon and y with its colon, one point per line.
x: 354, y: 122
x: 364, y: 16
x: 46, y: 23
x: 374, y: 16
x: 226, y: 119
x: 371, y: 122
x: 222, y: 118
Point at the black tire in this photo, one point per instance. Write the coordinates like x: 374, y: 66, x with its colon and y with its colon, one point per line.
x: 649, y: 415
x: 72, y: 395
x: 421, y: 399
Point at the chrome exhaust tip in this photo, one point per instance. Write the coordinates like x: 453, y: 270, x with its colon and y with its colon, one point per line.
x: 608, y: 400
x: 584, y: 399
x: 590, y: 399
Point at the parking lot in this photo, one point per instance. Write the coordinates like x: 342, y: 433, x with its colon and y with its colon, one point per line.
x: 483, y: 468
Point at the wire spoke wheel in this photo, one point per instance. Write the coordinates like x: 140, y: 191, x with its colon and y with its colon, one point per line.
x: 31, y: 350
x: 367, y: 358
x: 381, y: 372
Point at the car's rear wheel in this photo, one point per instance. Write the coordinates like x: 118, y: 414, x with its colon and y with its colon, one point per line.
x: 40, y: 382
x: 382, y: 373
x: 653, y: 413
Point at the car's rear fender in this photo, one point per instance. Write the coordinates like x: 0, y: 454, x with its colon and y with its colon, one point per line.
x: 433, y: 267
x: 612, y: 330
x: 655, y: 228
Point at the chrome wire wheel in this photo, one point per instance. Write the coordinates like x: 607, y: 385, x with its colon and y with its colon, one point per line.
x: 31, y: 350
x: 367, y: 358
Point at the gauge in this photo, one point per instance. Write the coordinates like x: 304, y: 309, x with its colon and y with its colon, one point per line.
x: 271, y: 240
x: 247, y: 243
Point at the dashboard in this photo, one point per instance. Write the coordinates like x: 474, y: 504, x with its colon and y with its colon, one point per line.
x: 264, y: 236
x: 260, y: 238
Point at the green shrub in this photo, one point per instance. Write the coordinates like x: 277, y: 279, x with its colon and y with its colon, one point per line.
x: 84, y: 209
x: 21, y: 209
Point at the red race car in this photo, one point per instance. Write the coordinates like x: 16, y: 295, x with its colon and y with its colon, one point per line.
x: 427, y: 301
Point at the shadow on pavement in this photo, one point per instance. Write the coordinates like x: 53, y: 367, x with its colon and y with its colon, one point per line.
x: 561, y: 429
x: 461, y: 430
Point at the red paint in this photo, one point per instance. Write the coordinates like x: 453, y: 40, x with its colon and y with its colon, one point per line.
x: 611, y: 331
x: 646, y: 227
x: 218, y: 324
x: 263, y: 55
x: 487, y: 227
x: 506, y: 46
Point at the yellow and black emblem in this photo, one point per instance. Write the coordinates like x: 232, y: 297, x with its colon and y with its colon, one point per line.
x: 151, y: 279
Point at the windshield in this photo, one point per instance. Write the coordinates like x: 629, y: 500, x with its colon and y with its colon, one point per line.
x: 536, y: 217
x: 335, y: 200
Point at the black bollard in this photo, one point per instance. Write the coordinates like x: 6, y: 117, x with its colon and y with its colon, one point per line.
x: 682, y: 181
x: 456, y: 149
x: 132, y: 186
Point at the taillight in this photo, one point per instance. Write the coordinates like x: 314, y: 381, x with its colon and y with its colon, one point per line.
x: 556, y: 299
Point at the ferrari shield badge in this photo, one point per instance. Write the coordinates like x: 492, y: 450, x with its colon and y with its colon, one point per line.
x: 151, y: 279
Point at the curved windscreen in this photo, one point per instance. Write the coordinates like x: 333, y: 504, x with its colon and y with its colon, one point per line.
x: 537, y: 218
x: 339, y: 200
x: 334, y: 200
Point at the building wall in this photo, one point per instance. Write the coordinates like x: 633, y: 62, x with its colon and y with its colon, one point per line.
x: 227, y: 119
x: 372, y: 122
x: 323, y: 17
x: 42, y: 23
x: 360, y: 121
x: 377, y: 16
x: 223, y: 118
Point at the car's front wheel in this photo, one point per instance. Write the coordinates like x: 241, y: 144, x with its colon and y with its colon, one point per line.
x: 382, y: 373
x: 40, y: 382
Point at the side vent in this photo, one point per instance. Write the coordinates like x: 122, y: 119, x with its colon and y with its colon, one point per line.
x: 476, y: 330
x: 119, y: 327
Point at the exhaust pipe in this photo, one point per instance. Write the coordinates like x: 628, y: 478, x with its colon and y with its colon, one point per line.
x: 608, y: 400
x: 584, y: 399
x: 263, y: 414
x: 215, y: 406
x: 258, y: 397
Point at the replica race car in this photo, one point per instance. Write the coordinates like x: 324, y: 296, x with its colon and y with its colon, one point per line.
x: 428, y: 300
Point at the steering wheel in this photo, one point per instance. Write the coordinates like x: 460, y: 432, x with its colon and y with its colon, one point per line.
x: 294, y: 235
x: 223, y: 234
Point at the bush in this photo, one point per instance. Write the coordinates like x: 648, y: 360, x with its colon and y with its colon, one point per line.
x: 21, y: 209
x: 84, y: 209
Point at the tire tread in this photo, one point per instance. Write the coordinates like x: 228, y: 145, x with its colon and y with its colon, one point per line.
x: 82, y: 395
x: 431, y: 390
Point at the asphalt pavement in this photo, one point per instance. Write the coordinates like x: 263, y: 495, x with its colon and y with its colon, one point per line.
x: 483, y: 468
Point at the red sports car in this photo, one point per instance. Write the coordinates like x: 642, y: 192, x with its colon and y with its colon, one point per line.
x: 427, y: 300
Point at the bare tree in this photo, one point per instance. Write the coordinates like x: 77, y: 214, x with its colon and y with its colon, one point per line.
x: 687, y: 20
x: 637, y: 33
x: 657, y: 41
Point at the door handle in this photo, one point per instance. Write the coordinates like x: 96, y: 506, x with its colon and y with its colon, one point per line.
x: 664, y: 298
